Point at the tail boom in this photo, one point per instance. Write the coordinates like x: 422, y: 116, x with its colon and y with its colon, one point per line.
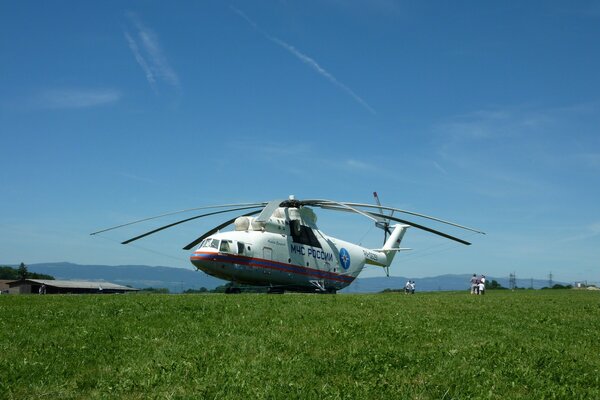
x: 390, y: 248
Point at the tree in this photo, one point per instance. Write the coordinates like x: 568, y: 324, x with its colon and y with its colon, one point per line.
x: 10, y: 273
x: 201, y: 290
x: 155, y: 290
x: 559, y: 286
x: 22, y: 271
x: 35, y: 275
x: 494, y: 285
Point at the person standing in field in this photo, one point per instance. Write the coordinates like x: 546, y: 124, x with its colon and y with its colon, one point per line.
x: 482, y: 284
x: 407, y: 287
x: 474, y: 284
x: 412, y: 287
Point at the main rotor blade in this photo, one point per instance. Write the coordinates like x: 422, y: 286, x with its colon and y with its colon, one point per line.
x: 424, y: 228
x: 418, y: 226
x: 217, y: 228
x: 261, y: 204
x: 268, y: 210
x: 378, y: 202
x: 181, y: 222
x: 340, y: 206
x: 385, y: 224
x: 329, y: 204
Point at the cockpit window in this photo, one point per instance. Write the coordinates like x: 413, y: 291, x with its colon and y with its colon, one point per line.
x: 240, y: 247
x: 214, y: 243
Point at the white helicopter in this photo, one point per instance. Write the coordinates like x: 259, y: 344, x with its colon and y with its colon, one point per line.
x: 282, y: 248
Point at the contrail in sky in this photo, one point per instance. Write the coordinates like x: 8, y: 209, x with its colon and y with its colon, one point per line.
x: 140, y: 59
x: 149, y: 55
x: 305, y: 59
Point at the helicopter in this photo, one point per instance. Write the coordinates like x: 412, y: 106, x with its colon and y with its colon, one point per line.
x: 282, y: 248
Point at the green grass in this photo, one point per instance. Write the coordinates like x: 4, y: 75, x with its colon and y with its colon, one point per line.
x: 524, y: 344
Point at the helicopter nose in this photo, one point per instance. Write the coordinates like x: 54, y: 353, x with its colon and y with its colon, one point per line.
x: 201, y: 260
x: 204, y: 261
x: 200, y: 263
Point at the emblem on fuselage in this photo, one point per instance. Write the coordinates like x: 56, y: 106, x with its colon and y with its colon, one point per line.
x: 344, y: 258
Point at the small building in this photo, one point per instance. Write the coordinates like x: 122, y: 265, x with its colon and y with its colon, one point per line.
x: 48, y: 286
x: 4, y: 285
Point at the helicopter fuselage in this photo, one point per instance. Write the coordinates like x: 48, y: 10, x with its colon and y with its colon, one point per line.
x: 268, y: 259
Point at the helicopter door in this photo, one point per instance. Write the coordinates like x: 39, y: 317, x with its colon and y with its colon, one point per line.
x: 267, y: 253
x: 240, y: 247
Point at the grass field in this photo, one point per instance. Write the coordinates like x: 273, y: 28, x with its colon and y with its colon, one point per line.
x: 523, y: 344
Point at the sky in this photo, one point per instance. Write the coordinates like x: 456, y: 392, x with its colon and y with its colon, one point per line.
x: 482, y: 113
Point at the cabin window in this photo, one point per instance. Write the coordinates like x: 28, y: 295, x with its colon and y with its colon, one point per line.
x: 240, y: 247
x: 225, y: 246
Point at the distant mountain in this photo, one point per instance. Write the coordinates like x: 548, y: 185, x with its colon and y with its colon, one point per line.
x: 180, y: 279
x: 137, y: 276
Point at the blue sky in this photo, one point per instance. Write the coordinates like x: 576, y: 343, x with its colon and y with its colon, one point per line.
x: 483, y: 114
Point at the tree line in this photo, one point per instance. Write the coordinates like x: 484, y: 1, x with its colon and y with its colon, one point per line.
x: 10, y: 273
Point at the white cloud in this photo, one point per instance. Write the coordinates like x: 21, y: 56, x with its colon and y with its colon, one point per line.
x: 149, y: 55
x: 390, y: 8
x: 307, y: 60
x: 355, y: 165
x: 494, y: 123
x: 303, y: 154
x: 587, y: 232
x: 77, y: 98
x: 280, y: 149
x: 590, y: 160
x: 519, y: 150
x: 520, y: 121
x: 136, y: 178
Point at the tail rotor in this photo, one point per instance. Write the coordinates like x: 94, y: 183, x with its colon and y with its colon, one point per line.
x: 383, y: 223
